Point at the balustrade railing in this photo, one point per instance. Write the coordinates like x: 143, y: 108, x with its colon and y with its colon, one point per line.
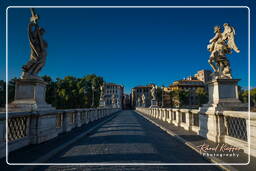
x: 229, y: 127
x: 26, y: 128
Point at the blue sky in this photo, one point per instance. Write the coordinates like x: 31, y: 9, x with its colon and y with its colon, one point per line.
x: 128, y: 46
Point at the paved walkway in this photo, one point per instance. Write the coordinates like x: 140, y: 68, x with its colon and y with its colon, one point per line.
x: 128, y: 138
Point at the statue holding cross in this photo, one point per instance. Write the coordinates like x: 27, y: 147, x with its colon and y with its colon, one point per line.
x: 38, y: 49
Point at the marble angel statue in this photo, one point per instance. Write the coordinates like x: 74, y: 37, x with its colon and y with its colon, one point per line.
x: 221, y: 45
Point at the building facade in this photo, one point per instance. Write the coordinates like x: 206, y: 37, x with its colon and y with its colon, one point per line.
x: 137, y: 99
x: 126, y: 101
x: 113, y: 90
x: 203, y: 75
x: 189, y: 85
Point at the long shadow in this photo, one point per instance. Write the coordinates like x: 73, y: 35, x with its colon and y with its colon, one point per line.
x: 167, y: 145
x: 31, y: 152
x: 192, y: 137
x: 98, y: 158
x: 119, y: 130
x: 119, y: 127
x: 113, y: 139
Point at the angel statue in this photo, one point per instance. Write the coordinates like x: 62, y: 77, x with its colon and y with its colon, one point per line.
x: 138, y: 101
x: 113, y: 99
x: 101, y: 91
x: 220, y: 45
x: 38, y: 49
x: 143, y: 98
x: 153, y: 92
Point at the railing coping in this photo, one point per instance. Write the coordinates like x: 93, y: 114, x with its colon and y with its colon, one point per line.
x: 240, y: 114
x: 185, y: 110
x: 195, y: 111
x: 46, y: 112
x: 237, y: 114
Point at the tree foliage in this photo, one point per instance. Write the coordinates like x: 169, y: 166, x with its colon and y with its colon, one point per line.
x: 243, y: 96
x: 202, y: 96
x: 179, y: 98
x: 72, y: 92
x: 11, y: 91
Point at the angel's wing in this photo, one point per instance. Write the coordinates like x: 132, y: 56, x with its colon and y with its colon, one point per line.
x: 231, y: 40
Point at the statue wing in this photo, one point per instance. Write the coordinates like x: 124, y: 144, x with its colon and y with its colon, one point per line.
x: 231, y: 40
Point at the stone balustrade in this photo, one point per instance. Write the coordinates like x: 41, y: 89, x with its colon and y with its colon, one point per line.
x: 26, y: 128
x: 231, y: 127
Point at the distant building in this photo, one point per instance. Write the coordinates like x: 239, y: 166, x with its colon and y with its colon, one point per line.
x: 189, y: 84
x: 137, y: 93
x: 167, y: 100
x: 126, y: 101
x: 203, y: 75
x: 111, y: 89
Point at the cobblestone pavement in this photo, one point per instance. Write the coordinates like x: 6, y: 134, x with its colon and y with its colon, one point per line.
x: 128, y: 138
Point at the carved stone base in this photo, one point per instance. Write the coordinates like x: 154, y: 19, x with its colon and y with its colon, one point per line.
x: 29, y: 96
x: 102, y: 103
x: 114, y: 106
x: 223, y: 95
x: 154, y: 104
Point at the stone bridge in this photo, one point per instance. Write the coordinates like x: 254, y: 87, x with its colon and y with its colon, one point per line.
x: 146, y: 136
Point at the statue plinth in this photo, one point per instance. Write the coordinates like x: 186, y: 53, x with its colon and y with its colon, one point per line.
x: 102, y: 102
x: 30, y: 96
x: 154, y: 104
x: 223, y: 95
x: 114, y: 105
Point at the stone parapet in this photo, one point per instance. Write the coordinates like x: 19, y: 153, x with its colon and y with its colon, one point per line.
x: 26, y: 128
x: 237, y: 128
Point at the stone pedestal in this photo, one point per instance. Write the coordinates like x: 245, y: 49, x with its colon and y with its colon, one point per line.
x: 102, y: 102
x: 29, y: 96
x: 223, y: 95
x: 154, y: 104
x: 114, y: 105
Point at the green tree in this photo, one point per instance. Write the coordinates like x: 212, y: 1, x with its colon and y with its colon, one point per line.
x: 179, y: 97
x: 2, y: 93
x: 253, y: 96
x: 183, y: 97
x: 94, y: 82
x: 173, y: 97
x: 67, y: 92
x: 159, y: 94
x: 202, y: 95
x: 243, y: 96
x: 50, y: 90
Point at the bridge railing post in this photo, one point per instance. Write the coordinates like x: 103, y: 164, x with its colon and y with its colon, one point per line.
x: 176, y: 117
x: 161, y: 112
x: 168, y: 115
x: 185, y: 119
x: 157, y: 113
x: 195, y: 120
x: 43, y: 126
x: 78, y: 119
